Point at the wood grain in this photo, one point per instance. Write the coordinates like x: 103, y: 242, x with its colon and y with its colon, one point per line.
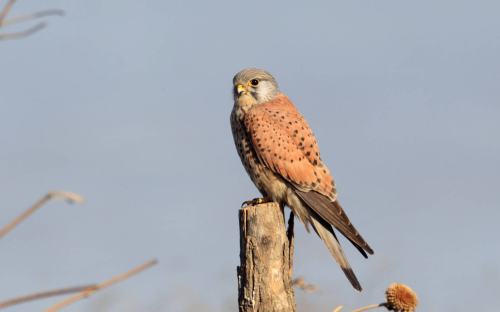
x: 266, y: 253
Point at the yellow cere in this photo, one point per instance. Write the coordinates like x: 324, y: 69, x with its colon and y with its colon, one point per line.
x: 241, y: 88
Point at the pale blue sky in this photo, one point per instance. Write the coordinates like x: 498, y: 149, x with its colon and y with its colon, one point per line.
x: 127, y: 103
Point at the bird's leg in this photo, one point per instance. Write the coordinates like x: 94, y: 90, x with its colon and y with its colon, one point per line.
x: 257, y: 201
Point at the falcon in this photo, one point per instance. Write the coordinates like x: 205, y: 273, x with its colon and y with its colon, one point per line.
x: 281, y: 156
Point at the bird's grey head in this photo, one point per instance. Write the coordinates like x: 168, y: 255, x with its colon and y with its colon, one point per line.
x: 254, y: 86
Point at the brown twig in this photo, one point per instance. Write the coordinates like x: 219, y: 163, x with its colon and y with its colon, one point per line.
x: 6, y: 10
x: 44, y: 294
x: 32, y: 16
x: 25, y: 33
x: 337, y: 309
x: 23, y: 18
x: 370, y: 307
x: 55, y: 195
x: 107, y: 283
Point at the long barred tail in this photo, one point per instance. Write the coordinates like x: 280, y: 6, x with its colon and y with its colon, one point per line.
x: 325, y: 231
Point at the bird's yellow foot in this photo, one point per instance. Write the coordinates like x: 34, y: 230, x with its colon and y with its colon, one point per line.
x: 257, y: 201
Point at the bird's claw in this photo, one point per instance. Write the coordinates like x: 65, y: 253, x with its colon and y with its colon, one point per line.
x: 255, y: 201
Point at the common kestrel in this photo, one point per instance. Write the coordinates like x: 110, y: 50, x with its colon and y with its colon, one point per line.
x: 281, y: 156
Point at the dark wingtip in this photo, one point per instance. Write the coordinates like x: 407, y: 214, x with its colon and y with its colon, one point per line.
x: 360, y: 249
x: 370, y: 251
x: 349, y: 273
x: 365, y: 247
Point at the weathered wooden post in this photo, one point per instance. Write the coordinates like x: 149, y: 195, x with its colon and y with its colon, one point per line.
x: 266, y: 260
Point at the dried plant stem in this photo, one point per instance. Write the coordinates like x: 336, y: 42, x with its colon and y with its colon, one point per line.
x: 44, y: 294
x: 55, y: 195
x: 6, y: 10
x: 25, y: 33
x: 15, y: 35
x: 107, y: 283
x: 370, y: 307
x: 337, y: 309
x: 28, y: 17
x: 23, y: 216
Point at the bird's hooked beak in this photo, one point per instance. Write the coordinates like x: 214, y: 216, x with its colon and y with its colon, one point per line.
x: 240, y: 90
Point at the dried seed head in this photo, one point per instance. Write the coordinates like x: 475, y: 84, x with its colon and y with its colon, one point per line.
x: 401, y: 298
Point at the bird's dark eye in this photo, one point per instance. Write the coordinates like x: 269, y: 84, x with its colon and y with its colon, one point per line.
x: 254, y: 82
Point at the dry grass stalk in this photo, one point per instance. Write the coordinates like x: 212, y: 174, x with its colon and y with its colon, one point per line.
x: 55, y: 195
x: 338, y: 309
x: 107, y: 283
x: 6, y: 10
x: 32, y: 16
x: 44, y: 294
x: 23, y: 18
x: 370, y: 307
x: 25, y: 33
